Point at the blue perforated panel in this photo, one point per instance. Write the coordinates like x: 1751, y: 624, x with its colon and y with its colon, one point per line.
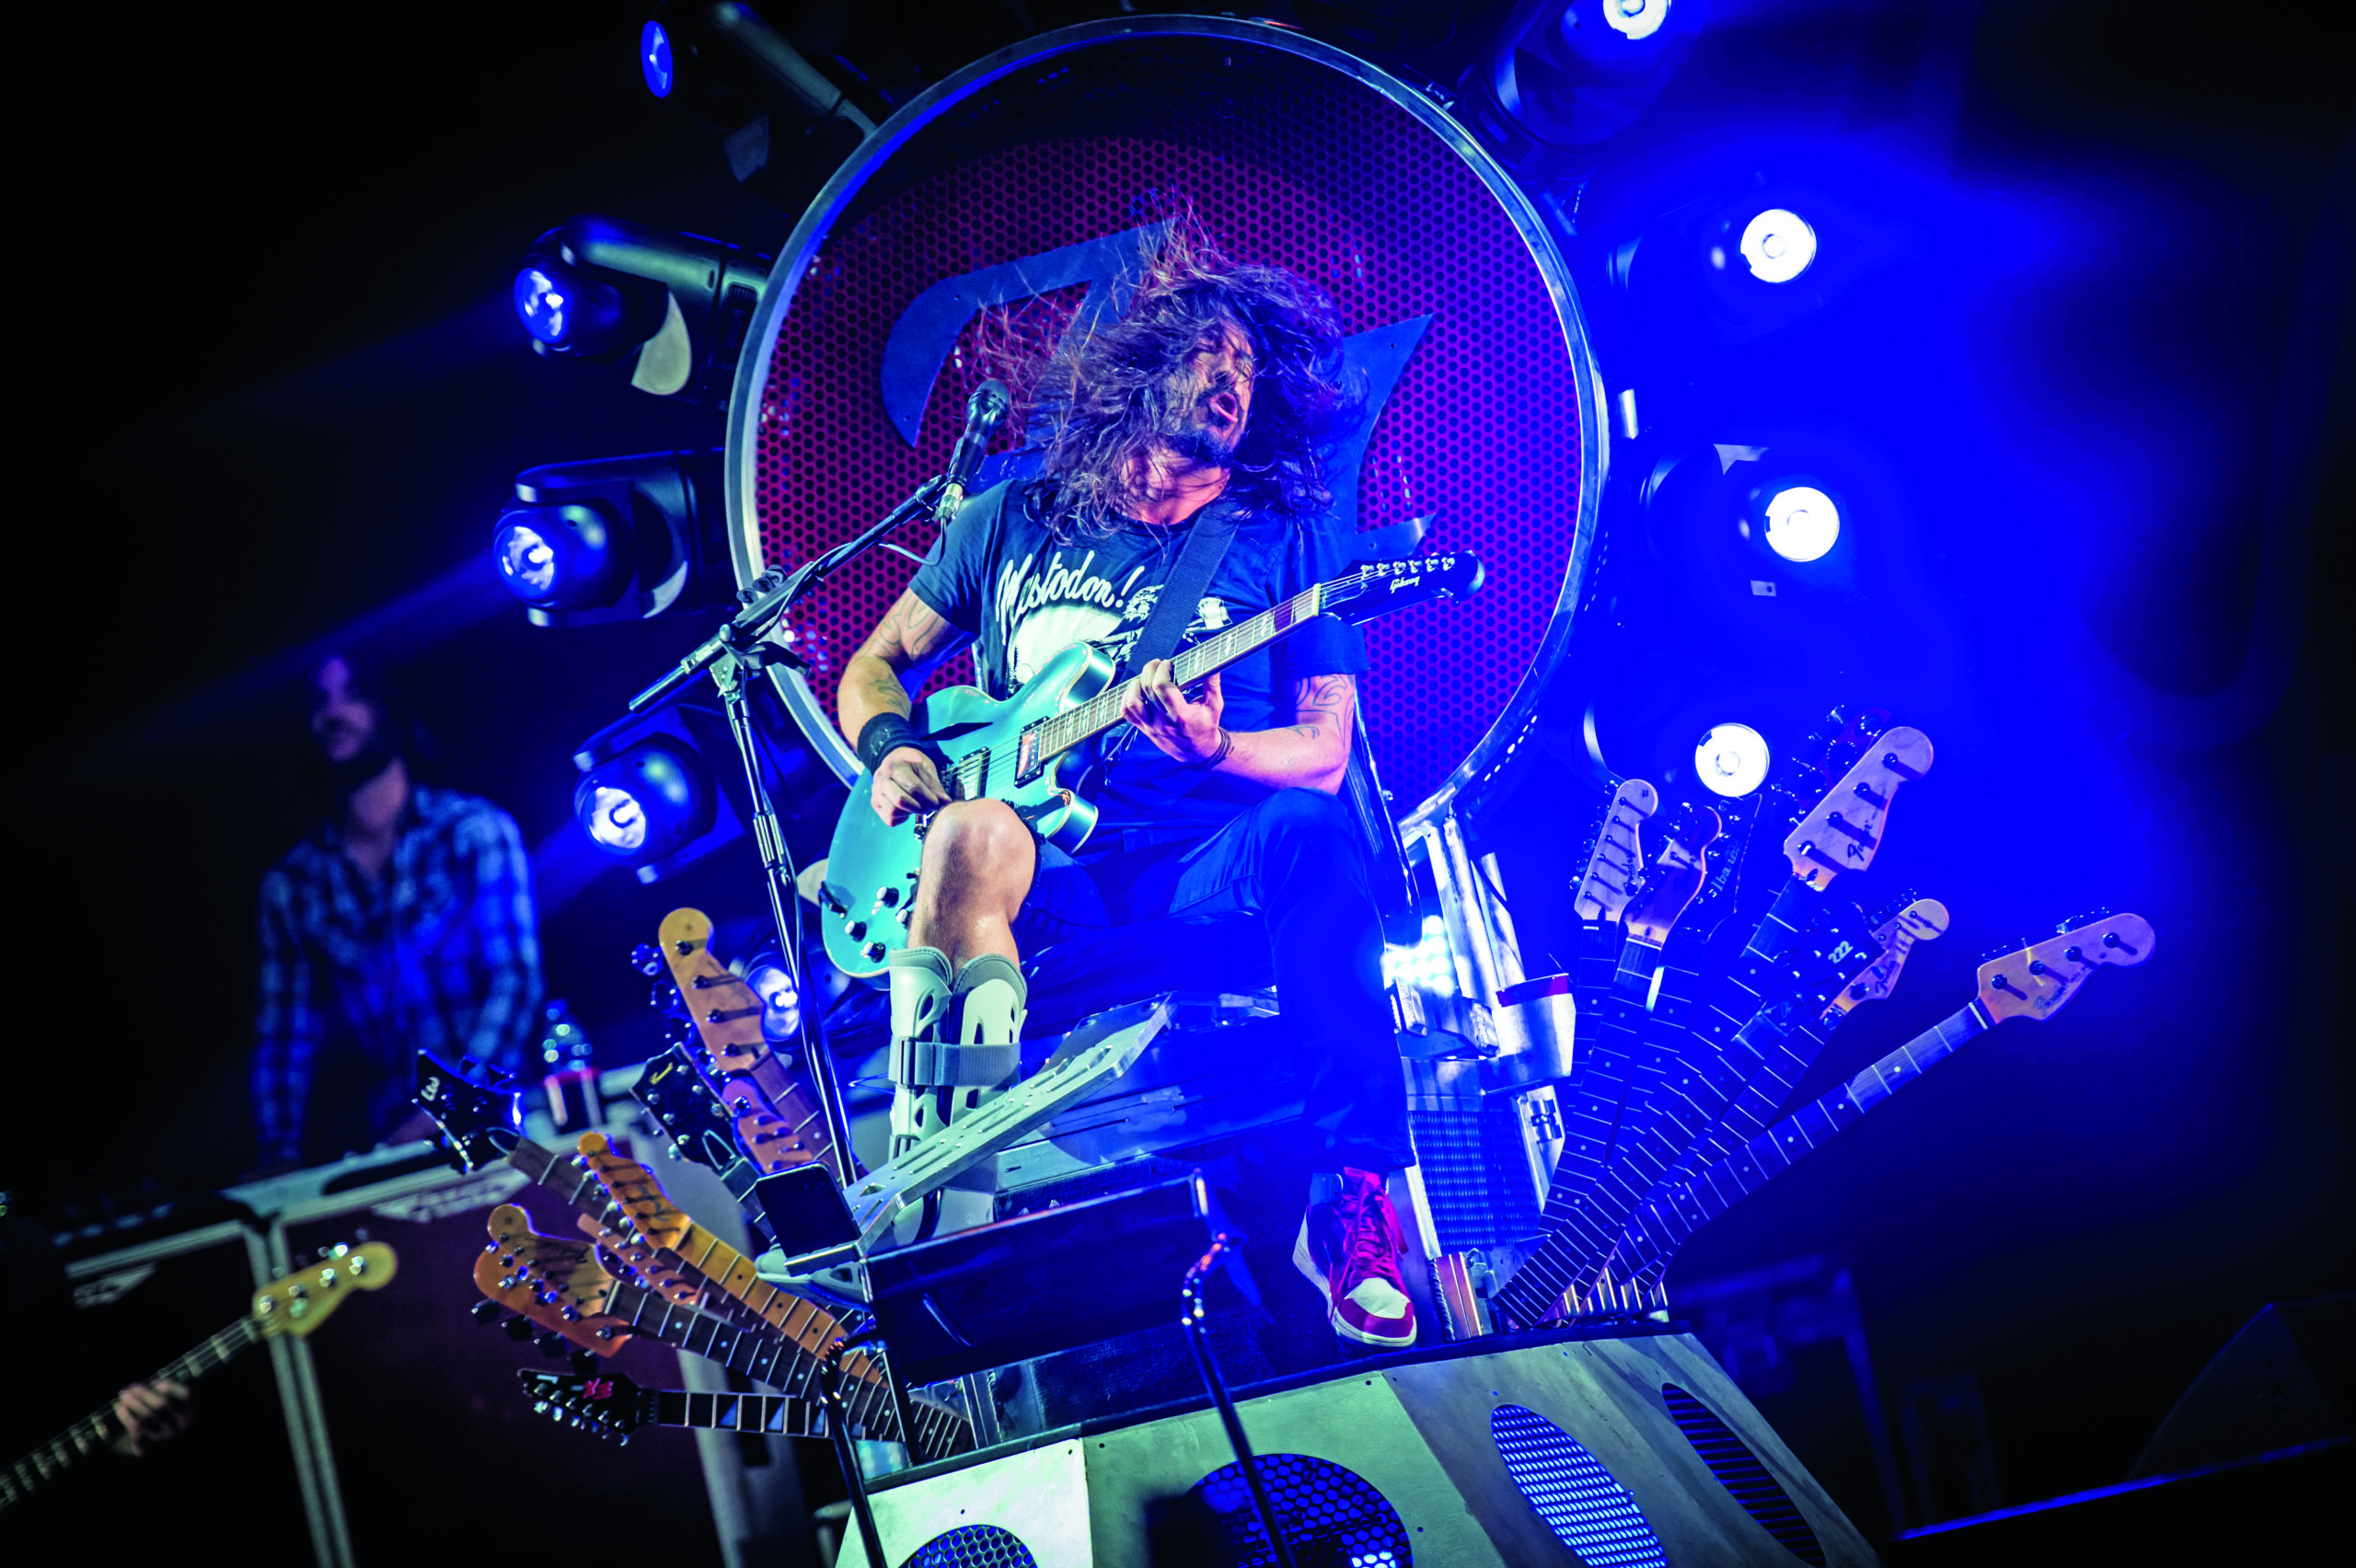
x: 1329, y: 1514
x: 974, y: 1546
x: 1588, y: 1511
x: 1739, y: 1472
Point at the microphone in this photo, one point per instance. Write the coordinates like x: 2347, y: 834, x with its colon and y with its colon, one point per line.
x: 985, y: 412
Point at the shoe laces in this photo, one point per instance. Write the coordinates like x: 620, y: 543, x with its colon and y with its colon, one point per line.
x: 1372, y: 1238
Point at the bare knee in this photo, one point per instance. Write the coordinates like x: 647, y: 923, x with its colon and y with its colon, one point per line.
x: 973, y: 842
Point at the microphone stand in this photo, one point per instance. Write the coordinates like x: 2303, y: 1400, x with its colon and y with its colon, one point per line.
x: 735, y: 655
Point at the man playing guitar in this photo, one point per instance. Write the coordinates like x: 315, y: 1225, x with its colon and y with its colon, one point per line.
x: 1214, y: 390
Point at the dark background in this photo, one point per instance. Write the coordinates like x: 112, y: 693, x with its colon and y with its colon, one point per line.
x: 277, y: 396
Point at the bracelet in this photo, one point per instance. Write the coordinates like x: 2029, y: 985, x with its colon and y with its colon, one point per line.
x: 1226, y: 745
x: 883, y: 736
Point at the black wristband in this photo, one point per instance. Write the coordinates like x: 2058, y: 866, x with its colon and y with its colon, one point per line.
x: 883, y: 734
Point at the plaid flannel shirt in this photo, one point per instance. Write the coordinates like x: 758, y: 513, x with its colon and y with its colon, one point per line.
x: 441, y: 955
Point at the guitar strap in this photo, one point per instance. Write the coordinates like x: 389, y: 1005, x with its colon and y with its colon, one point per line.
x: 1182, y: 591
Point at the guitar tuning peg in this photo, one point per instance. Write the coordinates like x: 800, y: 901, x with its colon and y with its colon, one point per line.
x: 484, y: 1311
x: 550, y: 1344
x: 2100, y: 912
x: 583, y: 1362
x: 647, y: 959
x: 518, y: 1329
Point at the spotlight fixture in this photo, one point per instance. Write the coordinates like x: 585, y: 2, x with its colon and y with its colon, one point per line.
x: 781, y: 1003
x: 1731, y: 760
x: 616, y: 538
x: 604, y: 289
x: 651, y: 794
x: 1559, y: 79
x: 783, y: 124
x: 661, y: 790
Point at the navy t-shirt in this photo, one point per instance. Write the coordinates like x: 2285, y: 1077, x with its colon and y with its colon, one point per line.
x: 1002, y: 575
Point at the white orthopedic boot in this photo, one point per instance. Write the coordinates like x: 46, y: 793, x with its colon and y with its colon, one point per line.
x: 988, y: 1058
x: 921, y: 991
x: 956, y: 1046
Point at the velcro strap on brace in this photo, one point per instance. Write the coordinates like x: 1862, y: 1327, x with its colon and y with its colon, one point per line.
x: 941, y: 1063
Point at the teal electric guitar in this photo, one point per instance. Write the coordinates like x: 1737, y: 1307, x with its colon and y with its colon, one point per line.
x: 1019, y: 750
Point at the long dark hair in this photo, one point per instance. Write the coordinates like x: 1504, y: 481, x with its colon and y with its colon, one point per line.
x: 1100, y: 394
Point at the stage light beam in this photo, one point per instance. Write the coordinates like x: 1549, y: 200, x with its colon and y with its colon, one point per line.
x: 1731, y: 760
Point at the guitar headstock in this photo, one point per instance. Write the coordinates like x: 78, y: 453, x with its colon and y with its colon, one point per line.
x: 726, y: 1012
x: 1615, y: 866
x: 303, y: 1300
x: 1379, y: 587
x: 2038, y: 980
x: 652, y: 1216
x: 1677, y: 874
x: 1841, y: 831
x: 555, y: 1281
x: 603, y: 1403
x: 1919, y: 921
x: 479, y: 1127
x: 684, y: 1106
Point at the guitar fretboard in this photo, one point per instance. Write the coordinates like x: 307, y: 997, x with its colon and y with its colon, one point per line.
x: 98, y: 1428
x: 1669, y: 1216
x: 1060, y: 733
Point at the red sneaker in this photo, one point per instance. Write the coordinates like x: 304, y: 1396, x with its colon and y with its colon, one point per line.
x: 1349, y: 1249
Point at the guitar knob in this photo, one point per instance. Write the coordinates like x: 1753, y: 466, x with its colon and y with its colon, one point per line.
x: 873, y: 951
x: 887, y: 896
x: 855, y: 929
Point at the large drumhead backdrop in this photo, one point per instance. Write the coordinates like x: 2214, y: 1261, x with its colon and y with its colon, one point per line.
x: 1018, y: 182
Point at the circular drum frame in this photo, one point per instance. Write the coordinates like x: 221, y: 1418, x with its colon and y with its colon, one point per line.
x: 812, y: 712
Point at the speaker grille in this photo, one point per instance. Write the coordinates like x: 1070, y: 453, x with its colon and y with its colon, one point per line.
x: 1329, y: 1514
x: 974, y: 1546
x: 1588, y: 1511
x: 1739, y: 1472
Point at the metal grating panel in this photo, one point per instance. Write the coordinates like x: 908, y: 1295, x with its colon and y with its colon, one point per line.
x: 1288, y: 160
x: 1589, y: 1512
x: 1330, y: 1515
x: 974, y: 1546
x: 1739, y: 1472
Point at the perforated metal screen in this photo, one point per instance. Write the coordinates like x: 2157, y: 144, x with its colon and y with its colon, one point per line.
x: 1291, y: 154
x: 974, y: 1546
x: 1739, y: 1472
x: 1589, y: 1512
x: 1328, y: 1513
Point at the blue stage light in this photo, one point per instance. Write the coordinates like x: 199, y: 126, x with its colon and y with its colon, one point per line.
x: 1803, y: 522
x: 1633, y: 20
x: 1778, y: 245
x: 654, y: 59
x: 647, y: 802
x: 540, y: 304
x: 558, y: 557
x: 781, y: 1003
x: 1731, y: 760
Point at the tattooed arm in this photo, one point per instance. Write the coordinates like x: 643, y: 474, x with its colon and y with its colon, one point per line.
x: 1313, y: 752
x: 903, y: 647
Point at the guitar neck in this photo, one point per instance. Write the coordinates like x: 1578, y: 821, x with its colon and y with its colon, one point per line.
x: 1207, y: 658
x: 1667, y: 1217
x: 98, y: 1428
x: 787, y: 1415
